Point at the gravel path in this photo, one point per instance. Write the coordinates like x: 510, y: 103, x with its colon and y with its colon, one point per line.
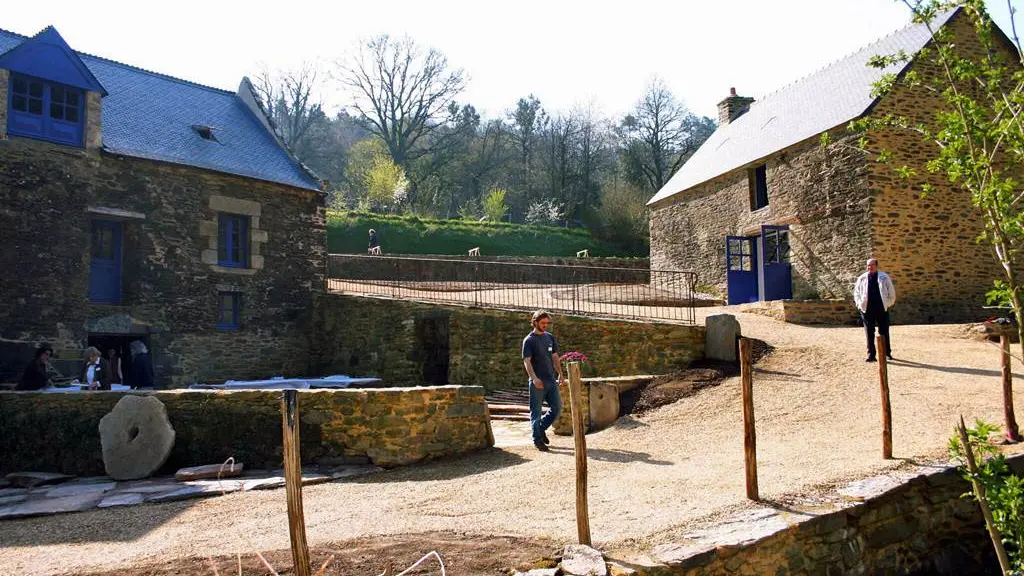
x: 650, y: 477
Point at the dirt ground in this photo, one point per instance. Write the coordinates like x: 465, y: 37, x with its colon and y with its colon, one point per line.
x: 371, y: 556
x: 653, y: 477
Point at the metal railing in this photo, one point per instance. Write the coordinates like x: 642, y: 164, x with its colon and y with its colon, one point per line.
x: 578, y: 290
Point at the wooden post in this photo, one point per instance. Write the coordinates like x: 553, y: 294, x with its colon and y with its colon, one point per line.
x: 979, y: 491
x: 293, y: 481
x: 883, y: 378
x: 749, y: 434
x: 1012, y: 432
x: 580, y: 440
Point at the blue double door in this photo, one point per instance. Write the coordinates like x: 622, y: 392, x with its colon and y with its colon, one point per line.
x: 758, y: 267
x: 105, y: 262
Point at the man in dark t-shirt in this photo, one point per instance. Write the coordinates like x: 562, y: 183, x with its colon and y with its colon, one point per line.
x: 540, y: 358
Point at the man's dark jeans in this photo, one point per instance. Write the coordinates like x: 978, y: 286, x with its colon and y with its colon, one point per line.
x: 878, y: 318
x: 538, y: 396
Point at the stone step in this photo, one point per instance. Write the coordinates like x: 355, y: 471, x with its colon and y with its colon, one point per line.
x: 511, y: 417
x: 508, y: 408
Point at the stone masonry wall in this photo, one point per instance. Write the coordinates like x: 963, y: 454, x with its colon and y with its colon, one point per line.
x: 906, y: 523
x: 822, y: 194
x: 393, y: 426
x: 383, y: 337
x: 927, y: 244
x: 825, y: 312
x: 508, y: 270
x: 50, y: 194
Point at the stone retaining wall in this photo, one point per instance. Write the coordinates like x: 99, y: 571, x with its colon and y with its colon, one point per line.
x: 497, y: 269
x: 406, y: 342
x: 826, y: 312
x: 903, y: 523
x: 390, y: 426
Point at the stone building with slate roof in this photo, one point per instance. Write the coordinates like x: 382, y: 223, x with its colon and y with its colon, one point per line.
x: 137, y: 206
x: 764, y: 212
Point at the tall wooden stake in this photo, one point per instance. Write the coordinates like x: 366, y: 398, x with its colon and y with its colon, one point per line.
x: 749, y: 434
x: 883, y: 379
x: 580, y: 440
x: 293, y: 481
x: 979, y: 491
x: 1012, y: 432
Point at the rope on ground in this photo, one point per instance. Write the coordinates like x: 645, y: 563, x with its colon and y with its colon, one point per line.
x: 993, y: 344
x: 408, y: 570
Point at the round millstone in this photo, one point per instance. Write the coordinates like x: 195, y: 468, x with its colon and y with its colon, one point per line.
x: 137, y: 438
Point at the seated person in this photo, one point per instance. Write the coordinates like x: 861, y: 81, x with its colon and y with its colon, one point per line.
x: 36, y: 376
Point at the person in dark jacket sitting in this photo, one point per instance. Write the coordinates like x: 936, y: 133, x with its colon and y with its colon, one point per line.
x: 96, y: 373
x: 36, y: 376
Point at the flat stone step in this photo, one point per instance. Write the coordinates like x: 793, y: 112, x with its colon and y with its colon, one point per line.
x: 508, y: 408
x: 511, y: 417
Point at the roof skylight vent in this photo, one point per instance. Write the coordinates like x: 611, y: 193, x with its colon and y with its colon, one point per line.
x: 205, y: 132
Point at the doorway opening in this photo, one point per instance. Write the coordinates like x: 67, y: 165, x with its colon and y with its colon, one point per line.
x: 432, y: 338
x: 121, y: 344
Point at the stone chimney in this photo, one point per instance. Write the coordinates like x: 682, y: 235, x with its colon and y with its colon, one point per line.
x: 733, y: 107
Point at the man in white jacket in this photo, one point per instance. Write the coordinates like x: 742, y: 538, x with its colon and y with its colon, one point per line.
x: 874, y: 294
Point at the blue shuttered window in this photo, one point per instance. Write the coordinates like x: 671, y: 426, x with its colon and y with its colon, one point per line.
x: 233, y: 241
x: 46, y: 111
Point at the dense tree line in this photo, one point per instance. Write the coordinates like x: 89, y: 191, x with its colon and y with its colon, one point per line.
x: 406, y: 143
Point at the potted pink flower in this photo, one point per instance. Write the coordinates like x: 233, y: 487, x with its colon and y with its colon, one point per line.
x: 574, y: 356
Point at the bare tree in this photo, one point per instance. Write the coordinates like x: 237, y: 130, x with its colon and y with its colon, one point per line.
x: 290, y: 101
x: 659, y: 135
x: 402, y: 93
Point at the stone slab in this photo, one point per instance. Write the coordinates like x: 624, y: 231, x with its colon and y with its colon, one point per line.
x: 870, y: 487
x: 123, y: 499
x: 223, y: 470
x: 604, y: 404
x: 581, y: 560
x: 33, y: 479
x: 43, y: 506
x: 539, y: 572
x: 8, y: 500
x: 720, y: 336
x: 73, y: 489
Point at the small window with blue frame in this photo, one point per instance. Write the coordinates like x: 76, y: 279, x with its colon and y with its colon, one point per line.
x: 233, y: 241
x: 44, y: 110
x: 229, y: 307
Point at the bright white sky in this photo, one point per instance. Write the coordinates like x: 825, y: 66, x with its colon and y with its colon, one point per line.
x: 565, y: 52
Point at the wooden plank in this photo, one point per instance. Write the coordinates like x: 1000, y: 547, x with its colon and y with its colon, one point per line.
x: 580, y: 442
x: 749, y: 432
x: 883, y: 379
x: 293, y: 482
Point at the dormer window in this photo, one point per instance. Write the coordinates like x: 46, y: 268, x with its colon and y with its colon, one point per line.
x: 45, y: 110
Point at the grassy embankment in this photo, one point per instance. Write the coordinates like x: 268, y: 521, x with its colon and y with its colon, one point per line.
x: 347, y: 234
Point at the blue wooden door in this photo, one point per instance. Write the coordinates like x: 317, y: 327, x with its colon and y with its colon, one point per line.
x: 105, y: 266
x: 741, y: 268
x: 778, y: 272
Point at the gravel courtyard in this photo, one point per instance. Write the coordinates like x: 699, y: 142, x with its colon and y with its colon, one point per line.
x: 651, y: 477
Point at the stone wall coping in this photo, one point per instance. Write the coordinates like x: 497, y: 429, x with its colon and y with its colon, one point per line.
x: 555, y: 313
x: 752, y: 527
x: 473, y: 390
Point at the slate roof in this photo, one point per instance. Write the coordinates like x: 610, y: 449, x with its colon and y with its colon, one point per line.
x: 828, y: 98
x: 150, y: 115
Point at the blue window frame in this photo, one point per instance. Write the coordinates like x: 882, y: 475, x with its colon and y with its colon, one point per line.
x: 44, y: 110
x: 228, y: 307
x: 233, y: 241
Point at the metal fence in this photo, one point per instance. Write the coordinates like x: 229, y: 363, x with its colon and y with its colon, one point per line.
x: 579, y: 290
